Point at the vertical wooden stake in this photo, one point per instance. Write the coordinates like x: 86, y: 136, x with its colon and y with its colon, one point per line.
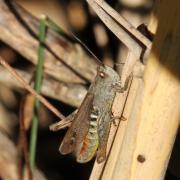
x: 155, y: 115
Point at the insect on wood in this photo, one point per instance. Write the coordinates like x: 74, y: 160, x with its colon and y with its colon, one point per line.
x: 90, y: 127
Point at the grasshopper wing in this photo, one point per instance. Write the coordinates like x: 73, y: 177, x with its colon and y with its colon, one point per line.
x: 79, y: 127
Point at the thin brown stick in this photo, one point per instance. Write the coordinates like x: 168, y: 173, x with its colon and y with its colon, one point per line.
x: 124, y: 23
x: 70, y: 93
x: 31, y: 90
x: 122, y: 34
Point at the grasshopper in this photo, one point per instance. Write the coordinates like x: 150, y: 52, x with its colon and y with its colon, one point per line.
x: 90, y: 127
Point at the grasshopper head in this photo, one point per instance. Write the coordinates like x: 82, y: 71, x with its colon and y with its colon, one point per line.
x: 109, y: 75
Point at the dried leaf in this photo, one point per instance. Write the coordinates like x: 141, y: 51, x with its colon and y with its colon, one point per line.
x: 28, y: 108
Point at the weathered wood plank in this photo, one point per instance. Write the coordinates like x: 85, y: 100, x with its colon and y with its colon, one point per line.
x: 154, y: 119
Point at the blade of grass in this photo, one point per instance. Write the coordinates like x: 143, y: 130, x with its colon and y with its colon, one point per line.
x: 37, y: 87
x: 51, y: 24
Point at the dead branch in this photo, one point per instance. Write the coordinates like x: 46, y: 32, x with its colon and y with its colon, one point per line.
x: 120, y: 27
x: 64, y: 60
x: 30, y: 89
x: 71, y: 94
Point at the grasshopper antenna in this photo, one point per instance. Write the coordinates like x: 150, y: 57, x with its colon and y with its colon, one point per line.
x: 71, y: 36
x: 86, y: 47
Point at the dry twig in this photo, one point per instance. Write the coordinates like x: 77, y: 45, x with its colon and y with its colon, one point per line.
x: 31, y: 90
x: 68, y: 93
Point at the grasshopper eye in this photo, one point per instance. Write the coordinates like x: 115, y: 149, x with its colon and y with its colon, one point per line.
x: 101, y: 74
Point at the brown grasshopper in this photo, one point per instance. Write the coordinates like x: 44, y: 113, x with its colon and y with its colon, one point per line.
x: 90, y: 127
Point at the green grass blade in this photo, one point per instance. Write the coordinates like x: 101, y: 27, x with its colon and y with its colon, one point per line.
x: 55, y: 27
x: 37, y: 87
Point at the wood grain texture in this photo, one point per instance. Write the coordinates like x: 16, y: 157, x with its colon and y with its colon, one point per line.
x: 154, y: 119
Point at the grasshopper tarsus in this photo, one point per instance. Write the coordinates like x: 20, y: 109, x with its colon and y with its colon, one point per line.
x: 115, y: 123
x: 122, y: 118
x: 119, y: 118
x: 100, y: 159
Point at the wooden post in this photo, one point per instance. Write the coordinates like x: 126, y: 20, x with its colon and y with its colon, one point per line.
x: 154, y: 116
